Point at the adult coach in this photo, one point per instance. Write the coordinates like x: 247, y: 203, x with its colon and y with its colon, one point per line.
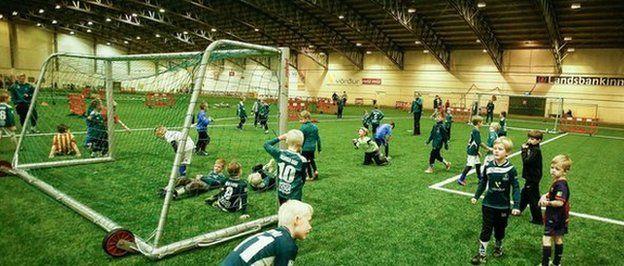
x: 21, y: 96
x: 417, y: 105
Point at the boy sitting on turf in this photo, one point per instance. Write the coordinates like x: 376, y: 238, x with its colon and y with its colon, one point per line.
x: 291, y: 165
x: 201, y: 183
x: 439, y: 137
x: 64, y: 143
x: 262, y: 177
x: 503, y: 124
x: 7, y: 118
x: 174, y: 138
x: 557, y: 212
x: 275, y: 246
x: 499, y: 178
x: 532, y: 173
x: 473, y: 151
x: 370, y: 147
x: 241, y: 113
x: 233, y: 194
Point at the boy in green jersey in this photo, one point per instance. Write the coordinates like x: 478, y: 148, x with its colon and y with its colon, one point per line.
x: 498, y: 181
x: 291, y: 164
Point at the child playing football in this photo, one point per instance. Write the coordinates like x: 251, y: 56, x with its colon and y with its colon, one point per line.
x: 370, y: 147
x: 263, y: 116
x: 291, y: 164
x: 175, y: 138
x: 503, y: 124
x: 366, y: 120
x: 499, y: 178
x: 97, y: 134
x: 473, y: 151
x: 7, y: 118
x: 64, y: 143
x: 439, y: 137
x: 532, y: 174
x: 203, y: 139
x: 375, y: 118
x: 233, y: 194
x: 383, y: 137
x: 241, y: 113
x: 201, y: 183
x: 275, y: 246
x: 557, y: 213
x: 311, y: 141
x: 262, y: 177
x: 492, y: 136
x: 448, y: 122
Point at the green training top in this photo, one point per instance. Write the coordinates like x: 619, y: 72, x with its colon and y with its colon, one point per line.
x: 21, y: 93
x: 417, y: 105
x: 291, y: 174
x: 376, y: 116
x: 438, y: 136
x: 7, y: 119
x: 311, y: 138
x: 240, y: 111
x: 474, y: 143
x: 367, y: 144
x: 499, y: 179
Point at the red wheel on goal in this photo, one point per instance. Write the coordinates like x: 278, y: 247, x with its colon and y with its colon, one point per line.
x: 111, y: 243
x: 4, y: 165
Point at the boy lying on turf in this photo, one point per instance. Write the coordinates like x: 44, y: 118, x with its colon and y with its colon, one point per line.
x: 201, y: 183
x: 275, y: 246
x: 233, y: 194
x: 370, y: 147
x: 262, y: 177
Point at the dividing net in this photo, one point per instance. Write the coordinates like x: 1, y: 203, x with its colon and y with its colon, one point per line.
x: 149, y: 92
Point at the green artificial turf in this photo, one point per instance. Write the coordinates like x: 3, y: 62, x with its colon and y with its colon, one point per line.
x: 364, y: 215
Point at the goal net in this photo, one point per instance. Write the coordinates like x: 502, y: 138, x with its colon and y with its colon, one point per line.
x: 523, y: 111
x: 112, y: 137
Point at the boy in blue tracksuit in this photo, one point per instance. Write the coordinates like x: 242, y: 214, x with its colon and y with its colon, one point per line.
x: 203, y: 139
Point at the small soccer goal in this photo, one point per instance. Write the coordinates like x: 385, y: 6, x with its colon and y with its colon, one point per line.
x: 92, y: 141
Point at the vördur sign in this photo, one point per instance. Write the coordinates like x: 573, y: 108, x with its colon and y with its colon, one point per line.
x: 570, y: 80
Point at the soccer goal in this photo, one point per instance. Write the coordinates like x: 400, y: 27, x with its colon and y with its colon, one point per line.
x: 525, y: 111
x: 111, y: 167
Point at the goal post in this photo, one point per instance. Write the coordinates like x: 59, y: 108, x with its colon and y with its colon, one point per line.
x: 193, y: 78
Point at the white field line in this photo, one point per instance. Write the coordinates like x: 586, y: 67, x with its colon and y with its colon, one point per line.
x: 439, y: 186
x: 451, y: 179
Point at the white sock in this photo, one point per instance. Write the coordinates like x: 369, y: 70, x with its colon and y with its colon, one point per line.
x: 482, y: 247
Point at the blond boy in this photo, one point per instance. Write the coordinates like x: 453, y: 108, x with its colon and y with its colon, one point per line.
x: 291, y: 164
x: 276, y: 246
x: 557, y: 205
x: 174, y: 138
x: 499, y: 178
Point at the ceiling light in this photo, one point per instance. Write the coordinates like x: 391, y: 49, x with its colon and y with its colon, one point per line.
x: 54, y: 21
x: 575, y: 6
x: 14, y: 13
x: 134, y: 14
x: 426, y: 51
x: 108, y: 43
x: 481, y: 4
x: 138, y: 37
x: 57, y: 7
x: 478, y: 41
x: 213, y: 30
x: 72, y: 32
x: 567, y: 39
x: 185, y: 32
x: 162, y: 10
x: 89, y: 30
x: 417, y: 42
x: 90, y: 23
x: 369, y: 52
x: 570, y: 50
x: 38, y: 24
x: 256, y: 30
x: 411, y: 10
x: 358, y: 44
x: 310, y: 46
x: 340, y: 16
x: 125, y: 42
x: 157, y: 35
x: 41, y: 11
x: 1, y: 16
x: 108, y: 20
x: 485, y: 51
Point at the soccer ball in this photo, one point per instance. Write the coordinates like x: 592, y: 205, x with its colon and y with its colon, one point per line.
x: 255, y: 180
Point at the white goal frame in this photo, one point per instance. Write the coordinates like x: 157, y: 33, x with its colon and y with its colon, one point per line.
x: 154, y: 250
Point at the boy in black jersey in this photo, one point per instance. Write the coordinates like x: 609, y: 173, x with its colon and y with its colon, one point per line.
x: 233, y: 194
x: 557, y: 203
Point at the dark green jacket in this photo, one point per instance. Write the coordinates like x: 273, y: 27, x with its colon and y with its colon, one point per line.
x: 311, y: 138
x: 21, y: 93
x: 417, y: 106
x: 438, y: 136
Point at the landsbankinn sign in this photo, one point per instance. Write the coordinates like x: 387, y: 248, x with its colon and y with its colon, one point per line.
x: 568, y: 80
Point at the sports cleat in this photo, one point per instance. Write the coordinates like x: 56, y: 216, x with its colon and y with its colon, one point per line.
x: 429, y: 170
x: 461, y: 182
x: 266, y: 132
x: 478, y: 259
x: 448, y: 166
x: 498, y: 252
x: 162, y: 192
